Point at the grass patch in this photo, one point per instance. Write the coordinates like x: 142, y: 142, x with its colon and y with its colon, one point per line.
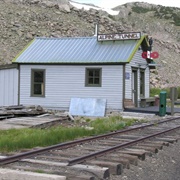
x: 39, y: 171
x: 18, y: 139
x: 156, y: 91
x: 103, y: 125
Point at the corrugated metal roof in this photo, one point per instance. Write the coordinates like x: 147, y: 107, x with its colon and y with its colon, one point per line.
x: 78, y: 50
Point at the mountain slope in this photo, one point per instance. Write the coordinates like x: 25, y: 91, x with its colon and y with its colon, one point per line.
x: 163, y: 24
x: 22, y: 20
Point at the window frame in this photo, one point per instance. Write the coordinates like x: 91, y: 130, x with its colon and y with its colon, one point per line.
x: 42, y: 84
x: 87, y: 84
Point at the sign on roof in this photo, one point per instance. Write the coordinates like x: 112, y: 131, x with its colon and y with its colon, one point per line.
x: 119, y: 36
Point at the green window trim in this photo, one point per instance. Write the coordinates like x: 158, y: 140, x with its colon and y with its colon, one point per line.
x: 93, y: 77
x: 37, y: 82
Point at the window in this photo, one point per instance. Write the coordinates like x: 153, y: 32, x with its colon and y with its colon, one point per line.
x: 38, y: 82
x: 93, y: 77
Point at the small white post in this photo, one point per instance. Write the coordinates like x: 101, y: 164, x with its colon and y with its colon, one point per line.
x: 96, y: 29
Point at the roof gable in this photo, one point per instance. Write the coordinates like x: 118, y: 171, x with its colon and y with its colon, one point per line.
x: 78, y: 50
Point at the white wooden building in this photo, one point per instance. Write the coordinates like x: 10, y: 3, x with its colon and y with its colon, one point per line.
x: 111, y: 67
x: 8, y: 85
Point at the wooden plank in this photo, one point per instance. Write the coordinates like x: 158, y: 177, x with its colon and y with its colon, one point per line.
x: 141, y: 154
x: 6, y: 117
x: 68, y: 175
x: 114, y: 168
x: 99, y: 172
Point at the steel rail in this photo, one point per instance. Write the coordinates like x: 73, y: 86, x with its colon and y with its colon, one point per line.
x: 18, y: 157
x: 112, y: 149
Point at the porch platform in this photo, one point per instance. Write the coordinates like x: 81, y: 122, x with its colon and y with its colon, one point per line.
x: 151, y: 109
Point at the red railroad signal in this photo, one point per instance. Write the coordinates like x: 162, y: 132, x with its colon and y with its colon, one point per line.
x: 150, y: 55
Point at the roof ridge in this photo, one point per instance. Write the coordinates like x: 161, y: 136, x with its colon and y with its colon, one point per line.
x: 58, y: 38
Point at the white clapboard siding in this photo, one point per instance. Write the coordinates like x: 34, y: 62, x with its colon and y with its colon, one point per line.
x: 8, y: 87
x: 64, y: 82
x: 139, y: 63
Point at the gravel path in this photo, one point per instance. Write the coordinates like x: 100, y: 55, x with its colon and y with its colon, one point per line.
x: 165, y: 165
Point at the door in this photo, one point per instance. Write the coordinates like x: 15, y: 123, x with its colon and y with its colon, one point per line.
x: 135, y: 87
x: 142, y: 83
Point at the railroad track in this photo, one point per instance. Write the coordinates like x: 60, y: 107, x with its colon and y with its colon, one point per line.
x: 99, y: 156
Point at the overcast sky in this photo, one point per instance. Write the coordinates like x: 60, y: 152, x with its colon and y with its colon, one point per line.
x: 114, y: 3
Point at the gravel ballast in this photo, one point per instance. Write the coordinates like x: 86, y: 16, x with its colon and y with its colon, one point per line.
x: 165, y: 165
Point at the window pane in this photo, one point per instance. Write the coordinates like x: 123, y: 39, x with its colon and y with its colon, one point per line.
x: 38, y: 76
x: 96, y: 80
x: 38, y: 89
x: 90, y: 81
x: 96, y: 73
x: 90, y: 73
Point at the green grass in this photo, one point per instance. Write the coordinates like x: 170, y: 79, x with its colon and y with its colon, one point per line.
x: 156, y: 91
x: 39, y: 171
x: 112, y: 124
x: 18, y: 139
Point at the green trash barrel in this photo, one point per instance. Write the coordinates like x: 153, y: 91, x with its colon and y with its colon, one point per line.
x: 162, y: 103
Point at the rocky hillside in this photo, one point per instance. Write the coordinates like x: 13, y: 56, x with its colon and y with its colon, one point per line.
x: 22, y: 20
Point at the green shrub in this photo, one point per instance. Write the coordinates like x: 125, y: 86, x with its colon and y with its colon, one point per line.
x: 178, y: 91
x: 139, y: 9
x: 168, y: 13
x: 129, y: 13
x: 156, y: 91
x: 176, y: 19
x: 111, y: 17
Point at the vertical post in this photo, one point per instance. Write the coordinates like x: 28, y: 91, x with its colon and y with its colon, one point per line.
x: 172, y: 100
x: 96, y: 29
x: 162, y: 103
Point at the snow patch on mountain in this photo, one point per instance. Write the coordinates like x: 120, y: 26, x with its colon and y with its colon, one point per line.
x: 88, y: 6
